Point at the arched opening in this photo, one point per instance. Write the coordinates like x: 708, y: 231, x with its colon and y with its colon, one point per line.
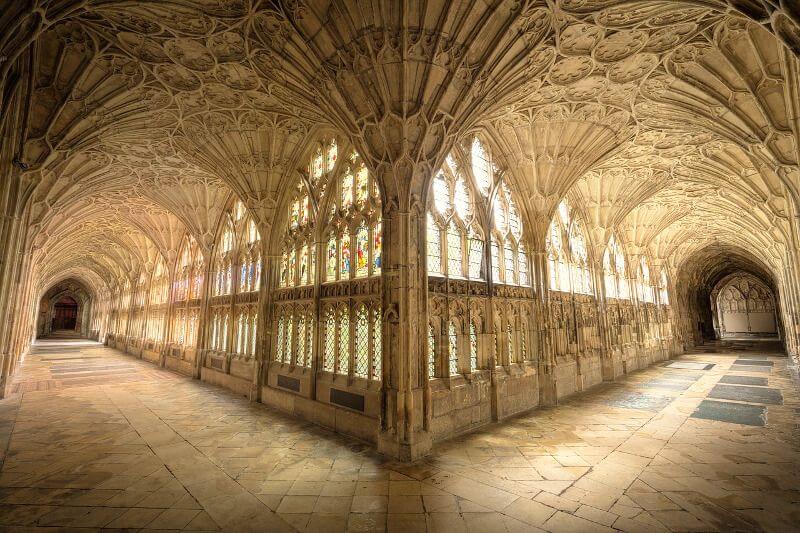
x: 65, y: 314
x: 726, y: 293
x: 66, y: 307
x: 744, y: 307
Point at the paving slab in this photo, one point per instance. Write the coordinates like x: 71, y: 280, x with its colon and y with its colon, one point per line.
x: 744, y: 393
x: 735, y: 413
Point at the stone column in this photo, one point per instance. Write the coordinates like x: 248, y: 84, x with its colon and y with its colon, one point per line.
x: 403, y: 434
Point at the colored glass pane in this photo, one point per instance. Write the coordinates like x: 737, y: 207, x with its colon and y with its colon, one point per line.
x: 330, y: 265
x: 345, y: 256
x: 362, y: 251
x: 377, y: 248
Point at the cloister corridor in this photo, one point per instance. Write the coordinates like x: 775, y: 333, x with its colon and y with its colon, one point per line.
x: 97, y: 439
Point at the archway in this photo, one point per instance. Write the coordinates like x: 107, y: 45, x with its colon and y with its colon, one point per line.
x: 65, y: 314
x: 744, y: 307
x: 67, y: 305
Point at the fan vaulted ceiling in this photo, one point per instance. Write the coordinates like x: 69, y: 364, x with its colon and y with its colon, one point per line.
x: 671, y: 121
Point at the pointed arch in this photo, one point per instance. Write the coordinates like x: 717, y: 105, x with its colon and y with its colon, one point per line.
x: 333, y: 214
x: 567, y: 252
x: 615, y: 271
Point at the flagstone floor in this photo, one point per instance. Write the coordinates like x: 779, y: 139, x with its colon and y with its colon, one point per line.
x: 96, y: 439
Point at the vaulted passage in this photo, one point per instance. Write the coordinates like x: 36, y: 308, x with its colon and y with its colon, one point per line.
x: 402, y: 222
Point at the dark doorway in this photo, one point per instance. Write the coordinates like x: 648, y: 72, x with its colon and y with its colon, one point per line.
x: 65, y: 315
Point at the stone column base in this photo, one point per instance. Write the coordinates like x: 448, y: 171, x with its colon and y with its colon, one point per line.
x: 419, y: 446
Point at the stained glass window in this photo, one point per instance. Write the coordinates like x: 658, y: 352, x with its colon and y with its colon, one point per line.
x: 331, y: 260
x: 344, y: 264
x: 377, y: 248
x: 294, y: 216
x: 304, y: 271
x: 441, y: 195
x: 362, y: 343
x: 347, y: 195
x: 362, y: 251
x: 285, y: 268
x: 241, y: 338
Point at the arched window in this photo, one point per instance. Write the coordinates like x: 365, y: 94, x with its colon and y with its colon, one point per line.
x: 139, y: 300
x: 124, y: 307
x: 644, y: 285
x: 189, y: 272
x: 223, y: 264
x: 187, y: 290
x: 237, y: 260
x: 334, y: 214
x: 159, y: 294
x: 452, y: 215
x: 567, y: 253
x: 353, y: 229
x: 471, y: 206
x: 250, y: 258
x: 507, y: 232
x: 615, y: 271
x: 297, y: 258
